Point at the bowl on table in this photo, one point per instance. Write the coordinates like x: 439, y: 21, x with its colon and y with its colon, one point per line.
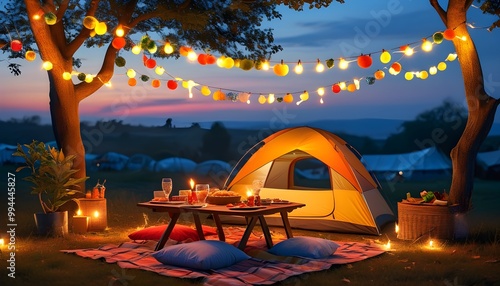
x: 223, y: 198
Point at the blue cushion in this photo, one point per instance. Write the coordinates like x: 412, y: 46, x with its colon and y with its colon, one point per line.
x: 203, y: 255
x: 305, y: 246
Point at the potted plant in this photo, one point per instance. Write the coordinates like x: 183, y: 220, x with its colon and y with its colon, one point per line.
x: 51, y: 175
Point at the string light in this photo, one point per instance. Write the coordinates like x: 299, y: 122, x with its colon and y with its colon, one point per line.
x: 426, y: 45
x: 343, y: 64
x: 320, y: 67
x: 298, y: 68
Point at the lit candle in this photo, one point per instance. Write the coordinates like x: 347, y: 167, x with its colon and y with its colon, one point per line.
x: 96, y: 214
x: 80, y: 223
x: 250, y: 199
x: 431, y: 243
x: 193, y: 197
x: 396, y: 229
x: 388, y: 245
x: 2, y: 243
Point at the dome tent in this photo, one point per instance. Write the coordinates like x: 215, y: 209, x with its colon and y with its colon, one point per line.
x: 350, y: 202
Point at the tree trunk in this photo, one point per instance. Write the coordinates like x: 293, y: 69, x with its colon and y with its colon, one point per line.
x: 481, y: 109
x: 66, y: 122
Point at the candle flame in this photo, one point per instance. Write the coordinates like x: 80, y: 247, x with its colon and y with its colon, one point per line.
x: 79, y: 212
x: 2, y: 242
x: 249, y: 193
x: 397, y: 228
x: 388, y: 245
x: 96, y: 214
x: 191, y: 183
x: 431, y: 243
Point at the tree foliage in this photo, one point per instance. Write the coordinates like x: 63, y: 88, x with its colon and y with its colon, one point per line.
x: 439, y: 127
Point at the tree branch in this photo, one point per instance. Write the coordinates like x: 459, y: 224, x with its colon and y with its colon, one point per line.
x: 62, y: 9
x: 467, y: 4
x: 77, y: 42
x: 441, y: 12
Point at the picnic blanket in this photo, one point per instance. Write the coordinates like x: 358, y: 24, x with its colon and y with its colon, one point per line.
x: 262, y: 268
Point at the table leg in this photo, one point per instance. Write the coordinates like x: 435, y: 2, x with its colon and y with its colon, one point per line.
x: 218, y: 224
x: 266, y: 232
x: 199, y: 228
x: 248, y: 232
x: 286, y: 224
x: 168, y: 231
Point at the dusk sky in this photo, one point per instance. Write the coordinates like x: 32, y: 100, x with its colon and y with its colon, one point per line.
x: 345, y: 30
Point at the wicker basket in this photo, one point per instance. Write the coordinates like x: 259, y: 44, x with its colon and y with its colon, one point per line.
x: 417, y: 220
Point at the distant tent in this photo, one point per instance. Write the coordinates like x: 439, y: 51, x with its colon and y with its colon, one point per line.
x: 425, y: 164
x: 175, y: 165
x: 348, y: 200
x: 213, y: 168
x: 6, y: 155
x: 489, y: 162
x: 139, y: 162
x: 111, y: 161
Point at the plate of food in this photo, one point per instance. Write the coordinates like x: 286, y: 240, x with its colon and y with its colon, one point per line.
x: 223, y: 197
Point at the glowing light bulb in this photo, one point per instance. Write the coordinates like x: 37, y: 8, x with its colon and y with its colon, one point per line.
x: 192, y: 56
x: 298, y: 68
x: 136, y: 50
x: 47, y: 65
x: 159, y: 70
x: 119, y: 31
x: 342, y: 85
x: 451, y: 57
x: 408, y: 51
x: 426, y: 45
x: 265, y: 65
x: 262, y: 99
x: 321, y: 91
x: 441, y: 66
x: 320, y: 67
x: 321, y: 100
x: 131, y: 73
x: 271, y: 98
x: 385, y: 57
x: 168, y: 49
x: 356, y: 83
x: 89, y: 78
x: 66, y: 75
x: 433, y: 70
x: 409, y: 75
x: 343, y: 64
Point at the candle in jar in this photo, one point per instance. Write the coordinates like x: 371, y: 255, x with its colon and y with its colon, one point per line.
x: 250, y: 199
x: 80, y: 224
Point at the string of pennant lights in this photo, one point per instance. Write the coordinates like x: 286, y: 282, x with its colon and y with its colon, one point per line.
x: 148, y: 46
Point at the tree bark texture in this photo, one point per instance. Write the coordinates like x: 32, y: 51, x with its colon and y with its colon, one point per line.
x: 481, y: 106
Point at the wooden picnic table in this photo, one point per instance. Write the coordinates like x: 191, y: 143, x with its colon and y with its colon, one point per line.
x: 252, y: 215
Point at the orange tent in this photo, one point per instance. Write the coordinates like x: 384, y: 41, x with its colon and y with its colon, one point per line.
x: 350, y: 202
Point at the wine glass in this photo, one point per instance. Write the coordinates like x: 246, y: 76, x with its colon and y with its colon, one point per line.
x: 201, y: 192
x: 256, y: 186
x: 166, y: 186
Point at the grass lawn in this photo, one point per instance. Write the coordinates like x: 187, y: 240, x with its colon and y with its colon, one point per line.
x: 473, y: 261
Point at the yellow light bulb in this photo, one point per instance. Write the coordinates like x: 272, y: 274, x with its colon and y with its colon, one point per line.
x: 408, y: 51
x: 424, y: 75
x: 442, y: 66
x: 426, y: 45
x: 265, y: 65
x: 47, y: 65
x: 159, y: 70
x: 131, y: 73
x: 101, y: 28
x: 342, y: 85
x: 192, y: 56
x: 343, y: 64
x: 451, y: 57
x: 153, y: 49
x: 385, y: 57
x: 298, y: 68
x: 119, y: 31
x: 433, y: 70
x: 136, y: 50
x: 89, y: 78
x: 321, y: 91
x: 168, y: 49
x: 262, y: 99
x: 356, y: 83
x: 66, y: 75
x: 320, y: 67
x: 409, y: 75
x: 271, y: 98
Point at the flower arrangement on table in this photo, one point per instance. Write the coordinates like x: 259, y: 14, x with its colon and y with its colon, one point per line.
x: 430, y: 197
